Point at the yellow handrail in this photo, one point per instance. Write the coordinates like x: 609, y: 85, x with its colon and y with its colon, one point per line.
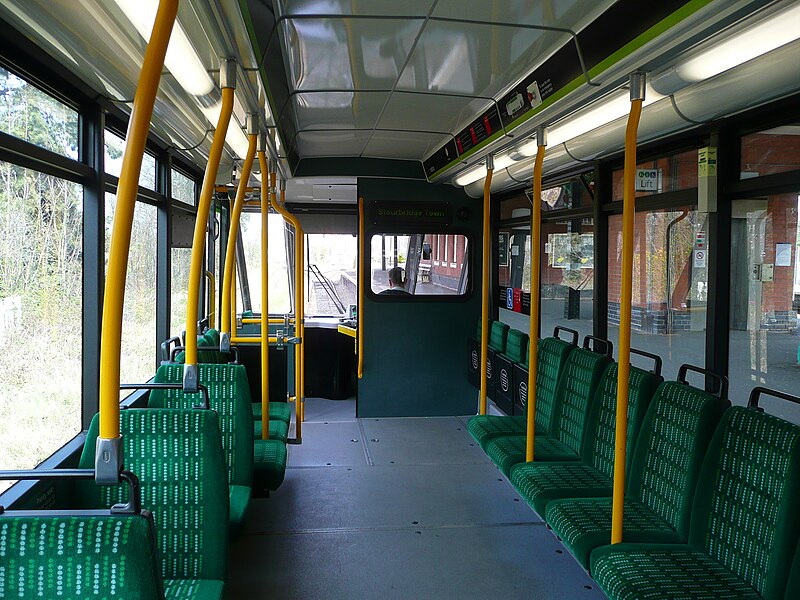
x: 228, y: 287
x: 212, y: 294
x: 637, y: 86
x: 487, y: 186
x: 298, y: 304
x: 265, y: 197
x: 536, y: 265
x: 233, y: 298
x: 253, y: 321
x: 362, y: 277
x: 108, y: 459
x: 228, y: 83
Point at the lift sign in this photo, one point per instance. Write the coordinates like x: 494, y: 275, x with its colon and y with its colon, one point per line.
x: 648, y: 180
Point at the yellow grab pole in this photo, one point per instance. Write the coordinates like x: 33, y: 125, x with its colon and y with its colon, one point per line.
x: 108, y: 458
x: 227, y: 81
x: 301, y: 318
x: 265, y: 196
x: 212, y: 294
x: 280, y: 208
x: 637, y: 84
x: 536, y: 265
x: 228, y: 285
x: 363, y: 281
x: 487, y: 185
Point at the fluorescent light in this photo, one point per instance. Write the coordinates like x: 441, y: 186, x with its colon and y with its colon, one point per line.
x: 770, y: 33
x: 237, y: 140
x: 182, y: 59
x: 479, y: 172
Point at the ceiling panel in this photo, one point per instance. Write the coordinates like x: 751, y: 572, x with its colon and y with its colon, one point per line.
x: 429, y: 112
x: 331, y: 143
x: 567, y: 14
x: 356, y: 7
x: 338, y: 110
x: 347, y: 53
x: 476, y: 59
x: 403, y: 144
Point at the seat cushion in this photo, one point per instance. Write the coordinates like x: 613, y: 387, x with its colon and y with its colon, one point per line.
x: 269, y: 464
x: 198, y: 589
x: 665, y: 571
x: 278, y: 411
x: 539, y: 482
x: 278, y: 430
x: 584, y: 524
x: 239, y: 501
x: 507, y: 451
x: 487, y: 427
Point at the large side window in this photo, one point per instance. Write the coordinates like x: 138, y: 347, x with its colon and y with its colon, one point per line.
x: 114, y: 150
x: 139, y: 313
x: 40, y: 315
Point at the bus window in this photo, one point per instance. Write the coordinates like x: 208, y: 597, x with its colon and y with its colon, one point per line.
x: 331, y: 273
x: 421, y: 264
x: 279, y: 297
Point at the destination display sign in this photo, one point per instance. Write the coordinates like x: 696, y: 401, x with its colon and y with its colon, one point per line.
x: 406, y: 213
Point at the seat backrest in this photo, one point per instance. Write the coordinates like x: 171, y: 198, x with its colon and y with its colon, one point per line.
x: 213, y: 336
x: 599, y: 443
x: 516, y: 345
x: 576, y: 388
x: 59, y: 556
x: 178, y: 458
x: 672, y: 442
x: 745, y: 513
x: 553, y: 355
x: 229, y: 396
x: 498, y: 335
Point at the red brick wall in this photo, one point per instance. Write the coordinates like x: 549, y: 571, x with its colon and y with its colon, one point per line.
x: 781, y: 228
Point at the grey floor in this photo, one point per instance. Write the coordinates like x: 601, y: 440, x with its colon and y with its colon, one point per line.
x: 396, y: 508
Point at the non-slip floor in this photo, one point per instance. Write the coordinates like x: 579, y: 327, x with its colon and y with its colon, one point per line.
x: 396, y: 508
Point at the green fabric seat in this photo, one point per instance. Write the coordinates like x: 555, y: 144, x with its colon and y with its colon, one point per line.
x: 56, y: 556
x: 178, y: 457
x: 213, y: 336
x: 269, y: 464
x: 498, y: 334
x: 553, y: 354
x: 225, y: 384
x: 540, y: 482
x: 516, y: 343
x: 662, y: 476
x: 197, y: 590
x: 278, y: 411
x: 239, y: 501
x: 744, y: 522
x: 278, y: 430
x: 567, y: 419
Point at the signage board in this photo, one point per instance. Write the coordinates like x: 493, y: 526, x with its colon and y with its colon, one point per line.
x: 648, y: 180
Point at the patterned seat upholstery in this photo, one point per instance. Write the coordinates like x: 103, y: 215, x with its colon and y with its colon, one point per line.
x: 744, y: 522
x: 278, y: 411
x: 566, y: 417
x: 278, y: 430
x: 662, y: 476
x: 540, y: 482
x: 225, y: 384
x: 56, y: 556
x: 553, y: 354
x: 179, y: 460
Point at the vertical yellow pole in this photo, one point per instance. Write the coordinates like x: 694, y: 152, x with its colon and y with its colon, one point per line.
x: 364, y: 279
x: 266, y: 192
x: 108, y: 459
x: 227, y: 81
x: 637, y: 84
x: 228, y: 285
x: 487, y: 241
x: 301, y: 326
x: 298, y: 304
x: 536, y: 265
